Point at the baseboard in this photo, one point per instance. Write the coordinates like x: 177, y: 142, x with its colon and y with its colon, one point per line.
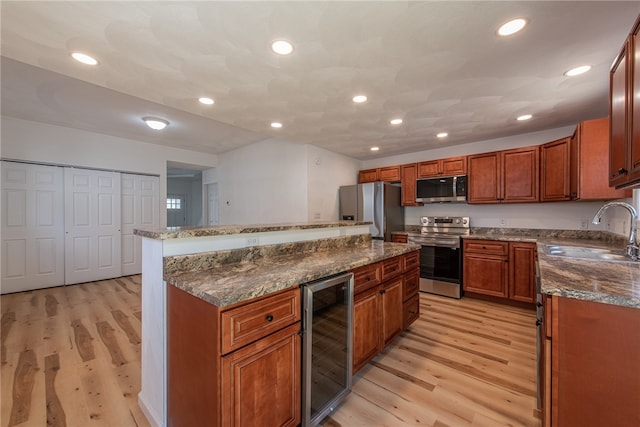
x: 153, y: 419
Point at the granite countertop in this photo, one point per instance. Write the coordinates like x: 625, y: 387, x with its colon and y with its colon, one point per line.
x: 185, y: 232
x: 234, y: 283
x: 610, y: 282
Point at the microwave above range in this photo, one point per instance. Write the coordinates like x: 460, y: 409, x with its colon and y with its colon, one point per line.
x: 442, y: 189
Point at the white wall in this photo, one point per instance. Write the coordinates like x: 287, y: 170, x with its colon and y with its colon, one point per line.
x: 42, y: 143
x: 327, y: 172
x: 276, y: 181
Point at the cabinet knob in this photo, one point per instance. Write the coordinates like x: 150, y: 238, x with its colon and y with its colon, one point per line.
x: 538, y: 322
x: 382, y: 291
x: 367, y: 278
x: 269, y: 318
x: 622, y: 171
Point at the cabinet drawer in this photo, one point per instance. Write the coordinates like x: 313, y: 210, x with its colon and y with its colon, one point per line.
x: 392, y: 267
x: 411, y: 284
x: 245, y: 324
x: 399, y: 238
x: 411, y: 261
x: 489, y: 247
x: 366, y: 277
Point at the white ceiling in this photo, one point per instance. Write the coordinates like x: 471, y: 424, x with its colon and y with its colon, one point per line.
x: 438, y: 65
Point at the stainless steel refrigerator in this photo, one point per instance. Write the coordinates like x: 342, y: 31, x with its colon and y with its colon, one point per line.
x: 378, y: 202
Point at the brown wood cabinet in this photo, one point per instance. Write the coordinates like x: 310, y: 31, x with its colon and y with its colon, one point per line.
x: 386, y: 174
x: 624, y: 112
x: 500, y: 269
x: 509, y: 176
x: 221, y: 361
x: 590, y: 162
x: 555, y: 171
x: 383, y: 307
x: 399, y: 238
x: 592, y: 374
x: 408, y: 190
x: 445, y: 167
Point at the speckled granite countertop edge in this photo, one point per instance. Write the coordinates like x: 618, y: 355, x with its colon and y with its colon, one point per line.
x: 235, y: 283
x: 223, y: 230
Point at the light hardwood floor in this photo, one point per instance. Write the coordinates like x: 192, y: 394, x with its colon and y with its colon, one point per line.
x: 71, y: 357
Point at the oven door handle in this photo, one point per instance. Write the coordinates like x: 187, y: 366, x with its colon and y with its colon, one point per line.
x: 439, y: 244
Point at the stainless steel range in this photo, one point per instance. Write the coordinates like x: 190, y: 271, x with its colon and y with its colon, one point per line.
x: 440, y: 255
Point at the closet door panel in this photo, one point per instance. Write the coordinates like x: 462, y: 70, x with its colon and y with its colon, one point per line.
x: 32, y: 227
x: 140, y: 209
x: 92, y: 225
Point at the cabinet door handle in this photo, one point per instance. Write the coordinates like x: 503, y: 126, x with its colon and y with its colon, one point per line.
x: 622, y: 171
x: 269, y: 318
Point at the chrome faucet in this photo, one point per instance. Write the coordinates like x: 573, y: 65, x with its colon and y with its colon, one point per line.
x: 632, y: 246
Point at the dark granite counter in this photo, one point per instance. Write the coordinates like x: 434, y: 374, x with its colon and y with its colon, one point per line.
x: 610, y: 282
x: 232, y: 283
x: 186, y: 232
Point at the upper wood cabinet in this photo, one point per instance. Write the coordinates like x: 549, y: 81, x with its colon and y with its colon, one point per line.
x: 509, y: 176
x: 590, y: 162
x: 624, y: 111
x: 386, y: 174
x: 555, y: 171
x: 443, y: 167
x: 408, y: 190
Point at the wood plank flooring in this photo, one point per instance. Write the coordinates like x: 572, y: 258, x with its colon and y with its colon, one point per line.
x: 70, y: 356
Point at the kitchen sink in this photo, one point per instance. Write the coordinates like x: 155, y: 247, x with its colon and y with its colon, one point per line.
x: 599, y: 254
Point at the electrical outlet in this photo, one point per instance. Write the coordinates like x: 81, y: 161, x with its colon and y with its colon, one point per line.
x: 503, y: 222
x: 584, y: 224
x: 252, y: 241
x: 316, y: 215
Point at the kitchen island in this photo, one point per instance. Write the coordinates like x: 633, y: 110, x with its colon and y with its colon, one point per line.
x: 226, y: 266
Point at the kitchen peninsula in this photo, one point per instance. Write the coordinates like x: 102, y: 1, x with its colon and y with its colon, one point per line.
x: 222, y: 267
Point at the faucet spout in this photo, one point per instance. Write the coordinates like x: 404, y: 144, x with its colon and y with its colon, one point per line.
x: 632, y: 246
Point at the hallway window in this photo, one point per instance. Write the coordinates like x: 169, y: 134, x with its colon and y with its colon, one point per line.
x: 174, y: 203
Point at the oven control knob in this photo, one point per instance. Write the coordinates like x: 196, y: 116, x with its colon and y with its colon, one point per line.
x: 457, y: 220
x: 464, y: 221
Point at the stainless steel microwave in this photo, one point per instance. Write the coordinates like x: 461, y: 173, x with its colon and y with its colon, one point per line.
x: 442, y: 189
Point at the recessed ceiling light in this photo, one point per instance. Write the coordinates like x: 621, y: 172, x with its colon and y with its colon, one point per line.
x: 374, y: 148
x: 512, y: 27
x: 84, y: 58
x: 155, y: 123
x: 282, y: 47
x: 396, y: 121
x: 359, y: 98
x: 276, y: 125
x: 577, y: 71
x: 442, y: 135
x: 206, y: 101
x: 524, y: 117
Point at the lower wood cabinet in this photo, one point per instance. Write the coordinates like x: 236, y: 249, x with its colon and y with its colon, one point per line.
x: 592, y: 373
x: 500, y: 269
x: 383, y: 310
x: 218, y: 380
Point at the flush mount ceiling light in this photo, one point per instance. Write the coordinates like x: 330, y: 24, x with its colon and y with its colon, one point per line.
x: 577, y: 71
x: 155, y: 123
x: 442, y: 135
x: 276, y: 125
x: 374, y: 148
x: 512, y: 27
x: 282, y: 47
x: 524, y: 117
x: 359, y: 99
x: 206, y: 100
x: 396, y: 121
x: 84, y: 58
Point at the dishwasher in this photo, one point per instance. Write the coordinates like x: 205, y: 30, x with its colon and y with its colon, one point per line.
x: 327, y: 355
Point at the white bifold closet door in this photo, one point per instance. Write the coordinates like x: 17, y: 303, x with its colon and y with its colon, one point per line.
x: 32, y: 227
x: 140, y: 209
x: 92, y: 225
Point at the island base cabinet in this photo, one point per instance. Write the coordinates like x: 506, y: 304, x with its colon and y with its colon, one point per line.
x: 595, y: 368
x: 367, y: 341
x: 261, y: 382
x: 256, y: 383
